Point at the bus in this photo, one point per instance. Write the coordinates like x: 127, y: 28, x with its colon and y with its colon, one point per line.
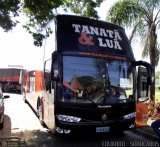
x: 91, y: 82
x: 9, y: 79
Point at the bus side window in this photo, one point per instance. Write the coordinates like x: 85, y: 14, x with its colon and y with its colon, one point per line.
x: 143, y: 89
x: 47, y: 75
x: 56, y: 70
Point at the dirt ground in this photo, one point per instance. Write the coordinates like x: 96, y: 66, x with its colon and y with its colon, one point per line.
x: 21, y: 124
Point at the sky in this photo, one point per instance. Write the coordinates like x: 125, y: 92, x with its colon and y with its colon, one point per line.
x: 17, y: 48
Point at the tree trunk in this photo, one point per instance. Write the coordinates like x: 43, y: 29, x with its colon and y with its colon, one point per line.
x: 153, y: 56
x: 152, y: 87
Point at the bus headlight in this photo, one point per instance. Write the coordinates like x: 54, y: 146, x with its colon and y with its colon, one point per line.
x: 68, y: 118
x: 129, y: 116
x: 61, y: 131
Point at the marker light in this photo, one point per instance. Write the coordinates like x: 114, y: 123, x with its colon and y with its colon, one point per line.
x: 130, y: 115
x: 68, y: 118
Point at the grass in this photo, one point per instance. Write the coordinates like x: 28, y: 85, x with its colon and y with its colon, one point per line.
x: 157, y: 96
x: 157, y: 93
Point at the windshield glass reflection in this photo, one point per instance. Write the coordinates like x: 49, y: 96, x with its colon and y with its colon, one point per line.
x: 94, y: 80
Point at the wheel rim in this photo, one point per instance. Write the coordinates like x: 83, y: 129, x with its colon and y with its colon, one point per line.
x: 39, y: 112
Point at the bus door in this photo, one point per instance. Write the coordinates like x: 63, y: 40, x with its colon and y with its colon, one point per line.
x: 30, y: 93
x: 143, y: 91
x: 49, y: 100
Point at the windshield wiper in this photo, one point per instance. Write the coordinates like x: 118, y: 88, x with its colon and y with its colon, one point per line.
x: 88, y: 99
x: 121, y: 100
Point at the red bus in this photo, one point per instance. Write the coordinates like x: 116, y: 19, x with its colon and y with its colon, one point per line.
x: 9, y: 79
x: 91, y: 82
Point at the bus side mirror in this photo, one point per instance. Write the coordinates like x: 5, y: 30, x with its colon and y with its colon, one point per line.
x: 147, y: 71
x: 55, y: 72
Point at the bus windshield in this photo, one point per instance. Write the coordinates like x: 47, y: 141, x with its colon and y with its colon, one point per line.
x: 96, y: 80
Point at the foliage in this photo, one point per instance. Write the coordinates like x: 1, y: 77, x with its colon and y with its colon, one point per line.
x: 40, y: 14
x: 143, y: 17
x: 8, y: 10
x: 157, y: 75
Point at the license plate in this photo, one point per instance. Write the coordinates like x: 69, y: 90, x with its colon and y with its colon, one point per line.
x: 102, y: 129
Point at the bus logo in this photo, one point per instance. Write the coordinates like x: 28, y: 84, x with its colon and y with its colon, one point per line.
x: 104, y: 117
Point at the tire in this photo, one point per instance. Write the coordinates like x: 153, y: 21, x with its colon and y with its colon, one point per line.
x: 6, y: 88
x: 1, y: 85
x: 40, y: 112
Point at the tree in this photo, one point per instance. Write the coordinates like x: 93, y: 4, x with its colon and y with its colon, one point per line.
x: 41, y: 12
x: 8, y: 10
x: 144, y: 17
x: 157, y: 75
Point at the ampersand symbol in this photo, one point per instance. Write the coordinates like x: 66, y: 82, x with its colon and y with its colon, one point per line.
x: 84, y: 39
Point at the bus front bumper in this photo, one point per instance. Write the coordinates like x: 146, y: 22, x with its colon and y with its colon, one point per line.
x: 97, y: 127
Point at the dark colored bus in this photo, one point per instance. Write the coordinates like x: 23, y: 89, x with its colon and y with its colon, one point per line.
x: 91, y: 81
